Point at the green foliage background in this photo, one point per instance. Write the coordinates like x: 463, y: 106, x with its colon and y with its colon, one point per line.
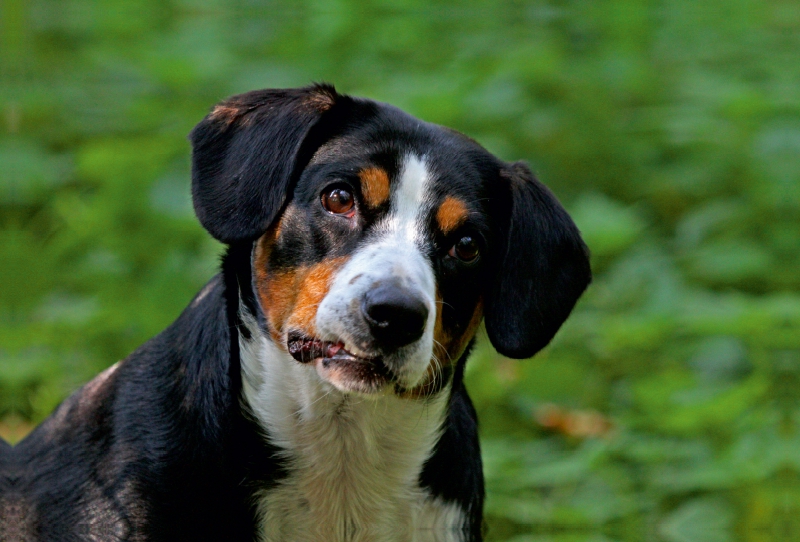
x: 666, y: 409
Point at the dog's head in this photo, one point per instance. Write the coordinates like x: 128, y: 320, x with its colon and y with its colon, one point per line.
x: 381, y: 241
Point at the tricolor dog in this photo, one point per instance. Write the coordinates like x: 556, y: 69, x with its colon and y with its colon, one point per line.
x: 313, y: 390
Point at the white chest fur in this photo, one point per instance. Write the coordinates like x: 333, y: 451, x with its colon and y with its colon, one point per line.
x: 354, y: 461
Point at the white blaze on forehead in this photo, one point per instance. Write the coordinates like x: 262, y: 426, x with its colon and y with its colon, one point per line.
x: 409, y: 200
x: 394, y: 253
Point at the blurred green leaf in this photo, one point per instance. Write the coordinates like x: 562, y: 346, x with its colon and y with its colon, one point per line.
x: 671, y: 132
x: 699, y: 520
x: 607, y: 226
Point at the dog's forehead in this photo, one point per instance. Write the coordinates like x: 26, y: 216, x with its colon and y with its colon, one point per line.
x: 400, y: 146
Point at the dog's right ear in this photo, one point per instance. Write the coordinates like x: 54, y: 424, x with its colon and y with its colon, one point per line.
x: 245, y: 155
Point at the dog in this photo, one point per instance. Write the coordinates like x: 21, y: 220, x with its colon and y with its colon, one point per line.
x: 314, y: 389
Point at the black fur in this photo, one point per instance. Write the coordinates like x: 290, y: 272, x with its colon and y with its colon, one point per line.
x: 542, y: 266
x: 158, y: 451
x: 454, y: 470
x: 162, y: 449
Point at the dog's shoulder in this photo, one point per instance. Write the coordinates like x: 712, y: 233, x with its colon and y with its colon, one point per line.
x: 63, y: 475
x: 147, y: 381
x: 143, y: 447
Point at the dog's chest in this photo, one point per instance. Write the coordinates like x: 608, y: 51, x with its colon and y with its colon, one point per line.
x: 353, y: 463
x: 347, y: 482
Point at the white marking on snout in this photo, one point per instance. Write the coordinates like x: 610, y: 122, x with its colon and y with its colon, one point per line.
x: 394, y: 252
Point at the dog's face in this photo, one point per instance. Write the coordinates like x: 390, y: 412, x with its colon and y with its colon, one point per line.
x: 379, y: 240
x: 372, y: 270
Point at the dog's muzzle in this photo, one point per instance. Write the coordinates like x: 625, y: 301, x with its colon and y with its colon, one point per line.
x: 381, y: 307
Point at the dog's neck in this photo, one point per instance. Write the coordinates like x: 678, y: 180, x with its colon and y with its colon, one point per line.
x: 353, y: 462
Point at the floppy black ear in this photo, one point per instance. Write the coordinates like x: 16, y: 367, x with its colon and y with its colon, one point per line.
x: 244, y: 156
x: 542, y: 266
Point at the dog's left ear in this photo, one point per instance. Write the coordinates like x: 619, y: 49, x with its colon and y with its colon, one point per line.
x: 542, y: 266
x: 245, y: 155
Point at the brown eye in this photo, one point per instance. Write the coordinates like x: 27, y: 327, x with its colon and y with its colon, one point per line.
x: 338, y: 201
x: 465, y: 250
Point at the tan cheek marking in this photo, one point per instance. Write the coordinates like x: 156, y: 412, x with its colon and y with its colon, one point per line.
x: 276, y: 291
x: 278, y: 297
x: 290, y: 298
x: 449, y: 348
x: 451, y: 214
x: 441, y: 339
x: 313, y: 287
x: 459, y: 344
x: 374, y: 186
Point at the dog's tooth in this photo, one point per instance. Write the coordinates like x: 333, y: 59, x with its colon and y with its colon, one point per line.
x: 333, y: 349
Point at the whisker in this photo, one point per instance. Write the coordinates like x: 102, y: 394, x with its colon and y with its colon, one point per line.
x: 443, y: 302
x: 440, y: 345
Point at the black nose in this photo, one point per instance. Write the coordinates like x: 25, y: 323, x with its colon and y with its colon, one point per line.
x: 396, y: 315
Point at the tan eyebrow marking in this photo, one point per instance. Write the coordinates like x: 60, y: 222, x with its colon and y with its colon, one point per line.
x: 451, y: 214
x: 374, y: 186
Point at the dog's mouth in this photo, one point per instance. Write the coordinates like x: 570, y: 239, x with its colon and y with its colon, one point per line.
x: 337, y: 365
x: 306, y: 349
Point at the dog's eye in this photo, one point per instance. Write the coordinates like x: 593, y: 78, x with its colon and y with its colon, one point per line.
x: 338, y: 201
x: 466, y: 250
